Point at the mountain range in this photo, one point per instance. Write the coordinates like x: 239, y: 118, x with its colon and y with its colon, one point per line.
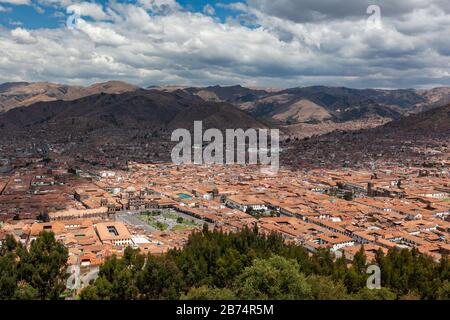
x: 302, y: 111
x: 305, y: 111
x: 335, y: 103
x: 20, y: 94
x: 113, y: 123
x: 136, y: 110
x: 434, y: 122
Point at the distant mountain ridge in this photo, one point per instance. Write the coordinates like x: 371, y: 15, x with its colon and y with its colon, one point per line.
x: 300, y: 111
x: 342, y: 103
x: 305, y: 111
x: 140, y: 109
x: 19, y: 94
x: 336, y: 104
x: 434, y: 122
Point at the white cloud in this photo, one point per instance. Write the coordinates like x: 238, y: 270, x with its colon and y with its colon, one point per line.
x: 160, y: 6
x: 237, y: 6
x: 57, y: 3
x: 325, y: 10
x: 89, y: 9
x: 101, y: 34
x: 130, y: 42
x: 22, y: 36
x: 17, y: 2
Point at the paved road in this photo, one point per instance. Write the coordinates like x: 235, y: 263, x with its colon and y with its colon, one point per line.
x: 134, y: 221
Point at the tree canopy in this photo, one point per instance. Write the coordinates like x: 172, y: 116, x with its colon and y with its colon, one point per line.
x: 218, y: 265
x: 37, y: 273
x: 249, y: 265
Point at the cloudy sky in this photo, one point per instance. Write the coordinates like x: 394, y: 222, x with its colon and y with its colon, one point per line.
x: 260, y: 43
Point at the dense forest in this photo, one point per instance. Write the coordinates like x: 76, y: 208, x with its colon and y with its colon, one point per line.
x: 218, y: 265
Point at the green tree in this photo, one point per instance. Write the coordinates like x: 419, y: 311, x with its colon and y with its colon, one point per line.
x: 443, y: 270
x: 340, y: 268
x: 8, y: 276
x: 323, y: 262
x: 443, y: 293
x: 354, y: 281
x: 375, y: 294
x: 207, y: 293
x: 360, y: 261
x: 102, y: 289
x: 356, y: 277
x: 25, y: 291
x: 248, y: 265
x: 117, y: 278
x: 324, y: 288
x: 229, y: 265
x: 44, y: 266
x: 160, y: 279
x: 9, y: 244
x: 276, y: 278
x: 133, y: 259
x: 123, y: 285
